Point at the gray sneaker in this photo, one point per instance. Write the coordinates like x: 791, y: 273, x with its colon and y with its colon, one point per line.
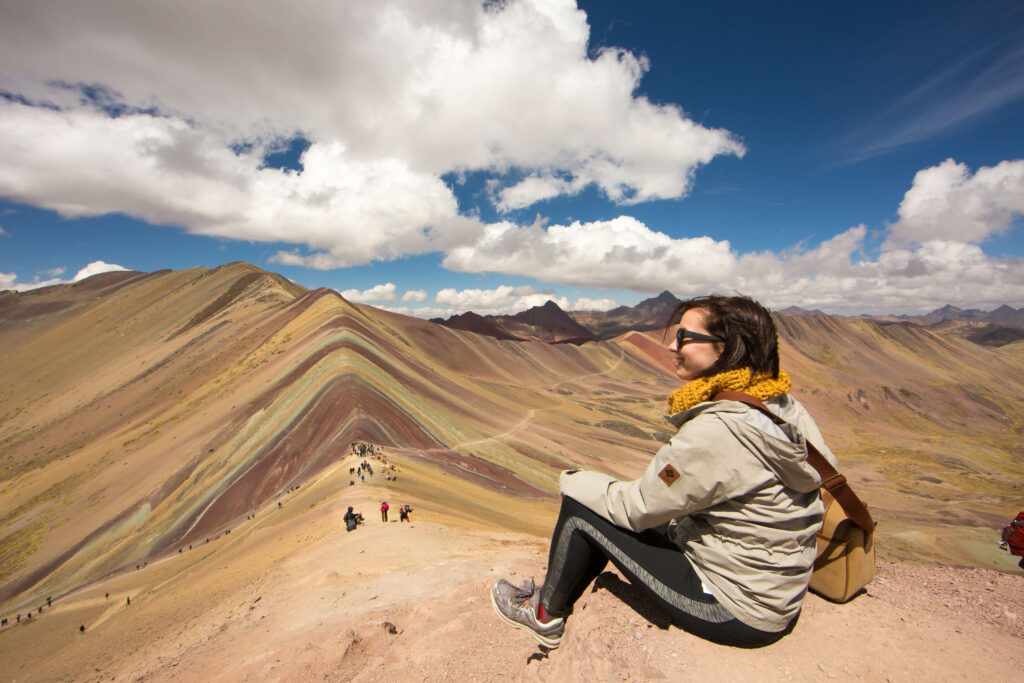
x: 517, y: 605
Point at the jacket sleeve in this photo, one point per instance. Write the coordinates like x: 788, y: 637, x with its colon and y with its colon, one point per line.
x: 701, y: 466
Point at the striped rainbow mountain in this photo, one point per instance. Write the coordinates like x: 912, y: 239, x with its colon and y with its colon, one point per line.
x: 143, y: 412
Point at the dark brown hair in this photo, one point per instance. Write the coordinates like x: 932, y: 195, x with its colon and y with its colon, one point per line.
x: 751, y: 338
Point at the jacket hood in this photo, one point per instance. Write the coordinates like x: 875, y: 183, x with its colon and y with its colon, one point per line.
x: 780, y: 448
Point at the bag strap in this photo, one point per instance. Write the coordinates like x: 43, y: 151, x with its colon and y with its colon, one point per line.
x: 831, y: 480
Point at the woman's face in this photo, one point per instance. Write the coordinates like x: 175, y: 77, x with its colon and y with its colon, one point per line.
x: 695, y: 356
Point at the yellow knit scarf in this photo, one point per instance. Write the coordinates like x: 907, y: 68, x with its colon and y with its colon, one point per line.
x: 704, y: 388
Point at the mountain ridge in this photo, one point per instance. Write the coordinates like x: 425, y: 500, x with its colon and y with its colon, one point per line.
x: 160, y: 410
x: 1002, y: 325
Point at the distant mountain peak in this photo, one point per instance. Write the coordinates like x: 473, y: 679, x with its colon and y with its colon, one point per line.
x: 548, y: 322
x: 649, y: 314
x: 549, y: 308
x: 1005, y: 316
x: 474, y: 322
x: 665, y: 300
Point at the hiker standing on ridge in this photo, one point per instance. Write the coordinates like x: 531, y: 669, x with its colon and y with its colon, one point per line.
x: 719, y: 531
x: 384, y: 511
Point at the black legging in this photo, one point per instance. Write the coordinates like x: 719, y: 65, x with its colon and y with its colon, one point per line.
x: 581, y: 546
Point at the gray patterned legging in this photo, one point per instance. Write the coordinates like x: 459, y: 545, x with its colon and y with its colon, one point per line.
x: 581, y: 546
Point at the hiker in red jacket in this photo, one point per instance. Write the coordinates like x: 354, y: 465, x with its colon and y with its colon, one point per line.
x: 384, y: 511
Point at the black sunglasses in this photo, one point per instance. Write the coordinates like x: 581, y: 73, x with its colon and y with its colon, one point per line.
x: 682, y: 334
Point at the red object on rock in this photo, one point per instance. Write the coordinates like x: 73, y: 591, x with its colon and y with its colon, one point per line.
x: 1013, y: 535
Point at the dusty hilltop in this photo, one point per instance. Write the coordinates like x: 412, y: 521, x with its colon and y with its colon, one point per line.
x: 183, y: 439
x: 290, y: 595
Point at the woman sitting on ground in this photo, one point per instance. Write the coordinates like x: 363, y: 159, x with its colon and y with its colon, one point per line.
x: 719, y: 529
x: 352, y: 519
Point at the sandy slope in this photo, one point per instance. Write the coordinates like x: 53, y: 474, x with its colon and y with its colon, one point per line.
x: 150, y: 413
x: 292, y: 596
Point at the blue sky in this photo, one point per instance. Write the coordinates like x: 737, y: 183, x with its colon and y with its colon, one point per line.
x: 437, y: 157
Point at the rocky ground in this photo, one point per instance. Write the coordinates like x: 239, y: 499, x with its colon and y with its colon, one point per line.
x: 293, y: 596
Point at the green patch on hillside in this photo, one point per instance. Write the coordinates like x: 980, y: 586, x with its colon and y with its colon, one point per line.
x: 624, y: 428
x: 17, y: 547
x: 58, y: 490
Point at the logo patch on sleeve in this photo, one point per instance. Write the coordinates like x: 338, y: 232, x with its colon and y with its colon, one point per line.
x: 669, y: 475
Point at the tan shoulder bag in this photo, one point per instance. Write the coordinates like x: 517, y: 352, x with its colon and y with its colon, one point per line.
x: 846, y: 544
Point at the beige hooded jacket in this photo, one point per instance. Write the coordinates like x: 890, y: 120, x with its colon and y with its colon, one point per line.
x: 741, y: 499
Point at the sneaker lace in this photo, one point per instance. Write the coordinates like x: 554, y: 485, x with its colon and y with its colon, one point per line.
x: 525, y: 590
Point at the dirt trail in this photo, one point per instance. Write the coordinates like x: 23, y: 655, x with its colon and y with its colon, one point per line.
x: 519, y: 426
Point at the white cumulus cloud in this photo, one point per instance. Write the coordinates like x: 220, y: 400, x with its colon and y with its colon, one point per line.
x: 424, y: 312
x: 183, y: 101
x: 614, y: 253
x: 531, y: 190
x: 36, y: 283
x: 10, y: 280
x: 500, y: 300
x: 95, y: 268
x: 927, y: 259
x: 384, y: 292
x: 946, y: 202
x: 588, y: 304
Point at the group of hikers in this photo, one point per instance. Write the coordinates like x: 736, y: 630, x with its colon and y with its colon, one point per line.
x: 5, y: 621
x: 361, y: 448
x: 28, y: 615
x: 403, y: 512
x: 364, y: 469
x: 353, y: 519
x: 388, y: 469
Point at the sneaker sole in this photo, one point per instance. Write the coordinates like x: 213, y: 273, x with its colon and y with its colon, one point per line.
x: 549, y: 643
